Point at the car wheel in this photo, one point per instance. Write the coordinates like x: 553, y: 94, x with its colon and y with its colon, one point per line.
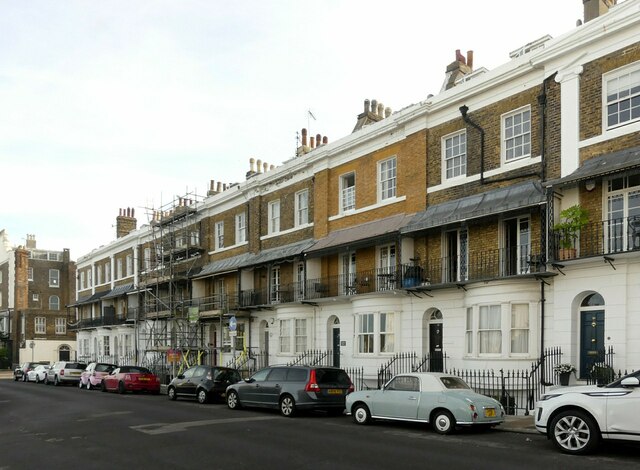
x: 287, y: 406
x: 233, y: 402
x: 574, y: 432
x: 37, y: 379
x: 121, y: 388
x: 171, y: 393
x: 56, y: 382
x: 89, y: 387
x: 203, y: 396
x: 24, y: 378
x: 443, y: 422
x: 46, y: 379
x: 361, y: 414
x: 103, y: 386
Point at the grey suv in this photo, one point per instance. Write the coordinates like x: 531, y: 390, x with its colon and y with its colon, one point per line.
x: 64, y: 372
x: 289, y: 388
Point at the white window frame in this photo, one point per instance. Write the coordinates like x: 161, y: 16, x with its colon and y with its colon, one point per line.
x: 241, y: 228
x: 469, y: 332
x: 107, y: 271
x: 366, y: 333
x: 98, y: 274
x: 40, y: 325
x: 129, y: 264
x: 387, y: 178
x: 54, y: 302
x: 61, y: 326
x: 54, y: 278
x: 82, y: 280
x: 621, y: 213
x: 302, y: 208
x: 219, y: 235
x: 386, y: 335
x: 30, y: 274
x: 509, y: 137
x: 483, y: 350
x: 274, y: 284
x: 451, y: 151
x: 119, y: 268
x: 274, y: 217
x: 348, y: 193
x: 146, y: 261
x: 301, y: 335
x: 285, y: 336
x: 35, y: 297
x: 627, y: 80
x: 520, y: 329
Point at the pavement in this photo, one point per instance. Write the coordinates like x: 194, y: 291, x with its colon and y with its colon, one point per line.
x: 519, y: 424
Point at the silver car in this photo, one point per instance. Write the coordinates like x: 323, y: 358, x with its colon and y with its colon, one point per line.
x: 443, y: 400
x: 64, y: 372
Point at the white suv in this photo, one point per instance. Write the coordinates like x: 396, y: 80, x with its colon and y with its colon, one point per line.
x: 64, y: 372
x: 576, y: 418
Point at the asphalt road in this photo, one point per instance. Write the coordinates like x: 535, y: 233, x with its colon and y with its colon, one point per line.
x: 65, y: 427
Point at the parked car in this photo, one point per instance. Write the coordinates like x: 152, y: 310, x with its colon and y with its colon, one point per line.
x: 203, y: 383
x: 92, y: 376
x: 577, y: 418
x: 38, y: 374
x: 64, y: 372
x: 20, y: 372
x: 290, y: 388
x: 131, y: 378
x: 444, y: 401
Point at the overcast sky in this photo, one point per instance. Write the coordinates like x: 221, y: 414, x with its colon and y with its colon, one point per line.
x: 113, y: 104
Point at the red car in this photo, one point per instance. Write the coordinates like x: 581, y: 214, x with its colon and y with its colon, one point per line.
x: 131, y: 378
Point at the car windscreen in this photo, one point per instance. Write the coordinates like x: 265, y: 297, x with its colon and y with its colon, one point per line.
x: 332, y: 376
x: 75, y: 365
x: 104, y: 368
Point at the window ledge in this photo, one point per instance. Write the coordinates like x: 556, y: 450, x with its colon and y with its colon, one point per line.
x: 386, y: 202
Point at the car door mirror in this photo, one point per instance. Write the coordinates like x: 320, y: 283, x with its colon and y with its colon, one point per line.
x: 249, y: 380
x: 181, y: 376
x: 630, y: 382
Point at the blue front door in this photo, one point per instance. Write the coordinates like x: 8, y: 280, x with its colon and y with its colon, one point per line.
x: 591, y: 340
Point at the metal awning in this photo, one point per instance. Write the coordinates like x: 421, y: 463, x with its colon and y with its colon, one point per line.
x: 118, y: 291
x: 364, y: 234
x: 497, y: 201
x: 615, y: 162
x: 224, y: 265
x: 89, y: 300
x: 278, y: 253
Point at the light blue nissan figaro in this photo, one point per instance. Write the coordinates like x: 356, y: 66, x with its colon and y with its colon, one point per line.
x: 443, y: 400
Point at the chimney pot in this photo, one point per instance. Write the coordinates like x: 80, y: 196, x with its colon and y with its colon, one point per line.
x: 380, y: 110
x: 325, y: 140
x: 271, y: 167
x: 470, y: 59
x: 304, y: 137
x: 219, y: 186
x: 259, y: 165
x: 312, y: 142
x: 318, y: 139
x: 387, y: 112
x: 265, y: 166
x: 460, y: 57
x: 366, y: 106
x: 252, y: 162
x: 374, y: 106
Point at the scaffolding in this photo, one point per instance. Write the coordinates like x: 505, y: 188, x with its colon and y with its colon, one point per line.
x: 170, y: 335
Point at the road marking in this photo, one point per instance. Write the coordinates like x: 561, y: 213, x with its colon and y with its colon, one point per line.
x: 104, y: 415
x: 165, y: 428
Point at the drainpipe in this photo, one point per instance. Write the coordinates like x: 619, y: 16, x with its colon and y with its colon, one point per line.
x: 467, y: 119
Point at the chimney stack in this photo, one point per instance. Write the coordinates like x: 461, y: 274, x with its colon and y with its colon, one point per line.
x: 457, y: 69
x: 596, y: 8
x: 31, y: 242
x: 125, y: 222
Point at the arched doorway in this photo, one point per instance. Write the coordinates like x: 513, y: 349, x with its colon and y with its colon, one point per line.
x: 334, y: 335
x: 64, y: 352
x: 592, y: 347
x: 432, y: 334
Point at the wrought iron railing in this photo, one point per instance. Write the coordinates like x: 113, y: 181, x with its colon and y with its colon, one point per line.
x: 598, y: 238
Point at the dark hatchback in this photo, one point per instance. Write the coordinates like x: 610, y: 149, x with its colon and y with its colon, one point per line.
x: 290, y: 388
x: 203, y: 383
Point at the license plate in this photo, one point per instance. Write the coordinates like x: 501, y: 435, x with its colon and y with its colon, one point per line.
x: 143, y: 379
x: 489, y: 412
x: 334, y: 391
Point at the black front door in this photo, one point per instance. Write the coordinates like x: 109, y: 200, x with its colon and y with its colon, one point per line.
x: 336, y: 347
x: 591, y: 340
x: 435, y: 348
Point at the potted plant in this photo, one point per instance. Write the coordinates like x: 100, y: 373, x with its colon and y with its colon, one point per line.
x: 564, y: 372
x: 572, y: 219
